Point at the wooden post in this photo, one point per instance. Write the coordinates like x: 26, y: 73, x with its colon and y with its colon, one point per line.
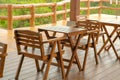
x: 65, y: 9
x: 32, y: 12
x: 88, y: 10
x: 10, y: 17
x: 54, y: 17
x: 100, y: 4
x: 74, y: 9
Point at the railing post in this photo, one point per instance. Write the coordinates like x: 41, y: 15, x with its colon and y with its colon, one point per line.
x: 10, y: 17
x: 88, y: 10
x: 32, y: 12
x: 65, y: 9
x: 100, y: 4
x: 54, y: 17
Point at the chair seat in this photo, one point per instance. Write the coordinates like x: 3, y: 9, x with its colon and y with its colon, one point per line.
x: 36, y: 52
x: 101, y: 34
x: 82, y: 44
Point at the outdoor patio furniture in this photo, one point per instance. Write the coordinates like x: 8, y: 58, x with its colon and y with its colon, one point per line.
x: 3, y: 54
x: 110, y: 23
x: 31, y: 44
x: 69, y: 32
x: 81, y: 22
x: 89, y: 39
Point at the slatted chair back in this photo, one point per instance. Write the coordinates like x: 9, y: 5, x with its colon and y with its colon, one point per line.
x: 93, y: 25
x: 27, y: 40
x: 81, y: 21
x: 30, y: 44
x: 3, y: 54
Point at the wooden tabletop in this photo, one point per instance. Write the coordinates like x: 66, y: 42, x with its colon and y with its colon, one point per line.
x: 111, y: 22
x: 64, y: 29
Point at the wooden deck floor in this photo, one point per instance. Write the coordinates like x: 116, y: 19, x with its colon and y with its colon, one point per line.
x: 107, y: 69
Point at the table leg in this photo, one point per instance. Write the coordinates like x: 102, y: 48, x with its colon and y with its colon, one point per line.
x: 109, y: 39
x: 74, y: 54
x: 108, y: 47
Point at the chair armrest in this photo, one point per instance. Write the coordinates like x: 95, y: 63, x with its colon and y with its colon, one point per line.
x: 54, y: 39
x: 3, y: 55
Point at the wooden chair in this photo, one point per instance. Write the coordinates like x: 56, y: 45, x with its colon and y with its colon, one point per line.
x: 81, y: 22
x: 88, y: 40
x: 30, y: 44
x: 3, y: 54
x: 93, y: 28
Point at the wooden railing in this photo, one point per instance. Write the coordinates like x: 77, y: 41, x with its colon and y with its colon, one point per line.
x: 100, y: 7
x: 32, y: 16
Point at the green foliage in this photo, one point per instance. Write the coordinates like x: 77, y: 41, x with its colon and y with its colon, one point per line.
x: 21, y: 23
x: 111, y: 12
x: 3, y: 24
x: 39, y: 10
x: 26, y: 11
x: 45, y: 20
x: 26, y: 1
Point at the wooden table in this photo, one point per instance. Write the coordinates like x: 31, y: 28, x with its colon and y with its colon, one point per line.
x: 115, y: 23
x: 69, y: 32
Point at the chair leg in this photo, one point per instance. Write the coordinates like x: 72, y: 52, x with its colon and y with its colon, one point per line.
x: 86, y: 52
x: 97, y: 38
x: 49, y: 61
x: 19, y: 68
x: 94, y: 47
x: 60, y: 62
x: 43, y: 65
x: 62, y: 67
x: 85, y: 58
x: 37, y: 65
x: 63, y: 46
x: 47, y: 69
x: 118, y: 33
x: 103, y: 37
x: 2, y: 62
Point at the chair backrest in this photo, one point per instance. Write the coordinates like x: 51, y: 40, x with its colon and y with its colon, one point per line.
x: 3, y: 54
x: 81, y: 17
x: 81, y: 21
x: 88, y: 24
x: 92, y: 25
x: 3, y: 49
x: 27, y: 40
